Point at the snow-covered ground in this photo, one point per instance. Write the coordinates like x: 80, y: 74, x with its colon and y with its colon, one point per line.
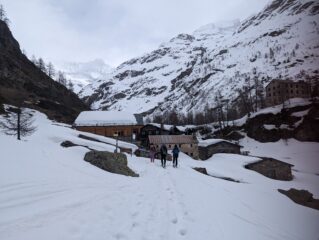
x: 50, y: 192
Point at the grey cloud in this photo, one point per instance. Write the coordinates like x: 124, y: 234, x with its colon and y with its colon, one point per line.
x: 114, y: 30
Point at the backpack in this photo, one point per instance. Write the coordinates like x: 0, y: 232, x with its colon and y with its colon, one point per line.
x: 164, y: 150
x: 175, y: 151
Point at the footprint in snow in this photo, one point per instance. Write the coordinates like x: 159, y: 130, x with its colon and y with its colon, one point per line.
x: 174, y: 220
x: 182, y: 232
x: 120, y: 236
x: 134, y: 224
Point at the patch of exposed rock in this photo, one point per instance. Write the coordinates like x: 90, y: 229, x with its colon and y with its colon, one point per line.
x: 111, y: 162
x: 302, y: 197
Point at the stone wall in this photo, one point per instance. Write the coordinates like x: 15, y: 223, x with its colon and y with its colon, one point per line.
x: 222, y: 147
x: 278, y: 91
x: 273, y: 169
x: 189, y: 149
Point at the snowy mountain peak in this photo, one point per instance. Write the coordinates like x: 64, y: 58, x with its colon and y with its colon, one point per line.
x: 218, y: 27
x: 84, y: 73
x: 187, y: 72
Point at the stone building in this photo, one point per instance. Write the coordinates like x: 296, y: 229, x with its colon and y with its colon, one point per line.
x: 120, y: 125
x: 207, y: 148
x: 158, y: 129
x: 186, y: 143
x: 272, y: 168
x: 278, y: 91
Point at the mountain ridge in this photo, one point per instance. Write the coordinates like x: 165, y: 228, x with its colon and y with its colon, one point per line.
x: 24, y: 84
x: 187, y: 72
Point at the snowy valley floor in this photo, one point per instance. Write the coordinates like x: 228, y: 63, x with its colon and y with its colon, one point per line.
x: 50, y: 192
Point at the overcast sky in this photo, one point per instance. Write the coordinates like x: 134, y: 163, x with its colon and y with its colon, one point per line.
x: 113, y: 30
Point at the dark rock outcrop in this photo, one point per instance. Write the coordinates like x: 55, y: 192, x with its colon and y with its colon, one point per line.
x: 201, y: 170
x: 204, y: 171
x: 68, y: 144
x: 307, y: 130
x: 22, y: 83
x: 111, y: 162
x: 302, y: 197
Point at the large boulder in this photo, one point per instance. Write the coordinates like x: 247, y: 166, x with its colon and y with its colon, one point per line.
x: 111, y: 162
x: 302, y: 197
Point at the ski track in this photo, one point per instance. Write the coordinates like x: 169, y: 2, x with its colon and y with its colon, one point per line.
x: 155, y: 206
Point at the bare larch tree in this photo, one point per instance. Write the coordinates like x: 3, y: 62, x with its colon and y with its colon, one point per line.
x: 18, y: 123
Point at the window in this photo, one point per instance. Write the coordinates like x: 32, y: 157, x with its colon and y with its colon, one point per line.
x: 192, y: 154
x: 297, y: 92
x: 291, y: 91
x: 269, y: 95
x: 119, y: 133
x: 180, y: 145
x: 169, y: 145
x: 191, y: 145
x: 274, y: 94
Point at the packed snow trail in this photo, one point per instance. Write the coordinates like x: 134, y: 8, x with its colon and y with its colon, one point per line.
x: 50, y: 192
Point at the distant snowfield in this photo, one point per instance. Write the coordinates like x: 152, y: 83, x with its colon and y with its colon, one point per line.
x: 50, y: 192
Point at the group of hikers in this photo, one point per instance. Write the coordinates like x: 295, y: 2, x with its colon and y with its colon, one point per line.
x: 163, y: 152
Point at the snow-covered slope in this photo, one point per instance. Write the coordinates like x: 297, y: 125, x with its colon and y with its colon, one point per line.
x: 50, y: 192
x: 186, y: 73
x: 84, y: 73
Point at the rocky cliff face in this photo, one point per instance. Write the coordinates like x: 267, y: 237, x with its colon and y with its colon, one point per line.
x: 22, y: 83
x: 186, y: 73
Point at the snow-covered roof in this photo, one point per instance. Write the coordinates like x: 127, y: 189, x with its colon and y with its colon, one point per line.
x: 171, y: 139
x: 208, y: 142
x: 169, y: 127
x: 105, y: 118
x: 165, y: 126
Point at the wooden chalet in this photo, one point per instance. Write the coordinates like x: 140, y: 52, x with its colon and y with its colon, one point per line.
x: 121, y: 125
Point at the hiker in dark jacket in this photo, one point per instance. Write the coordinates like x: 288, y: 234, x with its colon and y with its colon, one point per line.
x: 175, y: 155
x: 163, y: 151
